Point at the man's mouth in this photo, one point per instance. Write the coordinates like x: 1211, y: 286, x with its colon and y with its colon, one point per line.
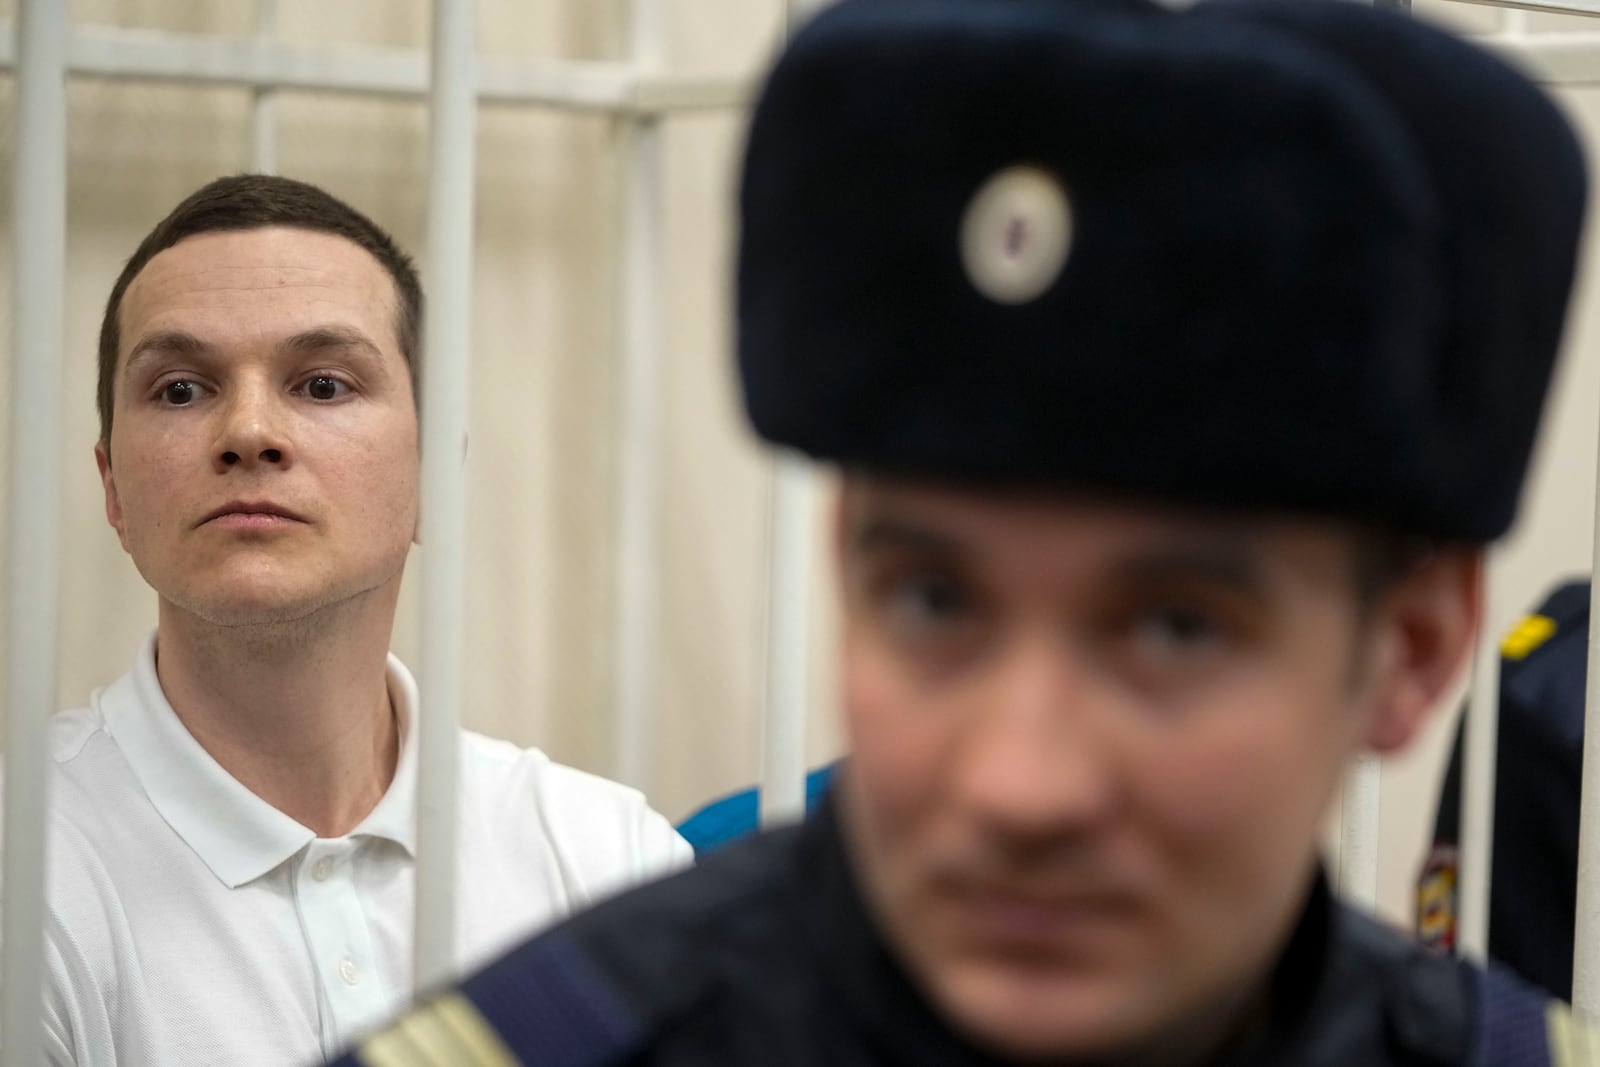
x: 251, y: 515
x: 1029, y: 920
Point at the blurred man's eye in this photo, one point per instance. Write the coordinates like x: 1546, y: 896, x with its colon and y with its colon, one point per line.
x: 923, y: 600
x: 1179, y: 628
x: 1169, y: 637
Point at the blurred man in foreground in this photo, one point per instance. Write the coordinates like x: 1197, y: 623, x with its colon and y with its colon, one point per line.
x: 1179, y: 365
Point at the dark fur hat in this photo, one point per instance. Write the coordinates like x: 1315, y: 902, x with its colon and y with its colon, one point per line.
x: 1290, y: 255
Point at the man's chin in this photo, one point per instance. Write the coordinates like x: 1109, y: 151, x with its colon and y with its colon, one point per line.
x: 1028, y: 1016
x: 250, y: 609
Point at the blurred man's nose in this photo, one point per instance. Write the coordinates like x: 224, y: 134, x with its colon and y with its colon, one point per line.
x: 1034, y: 763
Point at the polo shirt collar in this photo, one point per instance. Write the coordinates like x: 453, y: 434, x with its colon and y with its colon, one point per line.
x: 239, y: 836
x: 395, y: 816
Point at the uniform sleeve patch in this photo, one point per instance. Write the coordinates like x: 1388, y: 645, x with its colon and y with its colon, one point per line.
x: 1574, y: 1042
x: 447, y: 1032
x: 1527, y: 635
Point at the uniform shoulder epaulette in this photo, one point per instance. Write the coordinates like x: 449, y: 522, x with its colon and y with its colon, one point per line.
x: 594, y: 991
x: 1543, y: 662
x: 1564, y: 610
x: 1574, y: 1042
x: 445, y: 1031
x: 542, y: 1005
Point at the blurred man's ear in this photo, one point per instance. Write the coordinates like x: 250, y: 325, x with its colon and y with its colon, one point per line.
x: 1424, y: 627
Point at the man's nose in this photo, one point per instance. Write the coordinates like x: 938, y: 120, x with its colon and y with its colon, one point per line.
x: 253, y: 430
x: 1037, y: 762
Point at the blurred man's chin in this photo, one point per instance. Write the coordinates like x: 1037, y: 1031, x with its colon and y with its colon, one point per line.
x: 1034, y: 1017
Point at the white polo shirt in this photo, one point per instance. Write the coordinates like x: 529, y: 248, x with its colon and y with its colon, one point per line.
x: 191, y: 923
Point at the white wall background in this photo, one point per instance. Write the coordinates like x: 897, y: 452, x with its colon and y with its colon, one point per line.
x: 541, y: 466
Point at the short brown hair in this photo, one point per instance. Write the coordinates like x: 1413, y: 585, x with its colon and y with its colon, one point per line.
x: 255, y: 201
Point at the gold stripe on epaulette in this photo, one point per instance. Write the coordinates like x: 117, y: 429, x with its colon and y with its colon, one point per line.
x: 447, y: 1032
x: 1574, y: 1042
x: 473, y: 1032
x: 1527, y: 635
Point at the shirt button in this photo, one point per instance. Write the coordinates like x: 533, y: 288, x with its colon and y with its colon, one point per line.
x: 322, y: 868
x: 348, y: 972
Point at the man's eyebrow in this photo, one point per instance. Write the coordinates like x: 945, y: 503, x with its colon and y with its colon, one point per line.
x: 166, y: 343
x: 323, y: 337
x: 1235, y: 562
x: 890, y: 534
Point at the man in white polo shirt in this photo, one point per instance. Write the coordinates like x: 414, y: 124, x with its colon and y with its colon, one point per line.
x: 232, y: 831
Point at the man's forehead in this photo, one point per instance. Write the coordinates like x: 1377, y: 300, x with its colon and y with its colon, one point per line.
x: 867, y: 496
x: 279, y: 272
x: 1058, y: 524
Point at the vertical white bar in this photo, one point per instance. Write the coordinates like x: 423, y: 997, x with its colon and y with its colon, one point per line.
x: 264, y: 102
x: 783, y: 767
x: 447, y: 344
x: 39, y: 276
x: 1358, y: 834
x: 1586, y: 957
x: 783, y: 790
x: 639, y: 473
x: 1476, y: 848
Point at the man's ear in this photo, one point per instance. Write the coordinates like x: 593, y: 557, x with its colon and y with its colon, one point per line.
x: 108, y: 481
x: 1426, y: 625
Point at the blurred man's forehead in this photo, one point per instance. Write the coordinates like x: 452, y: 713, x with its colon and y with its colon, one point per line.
x: 872, y: 497
x: 1052, y: 531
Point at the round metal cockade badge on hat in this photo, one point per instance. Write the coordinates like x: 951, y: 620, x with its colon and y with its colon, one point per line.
x: 1016, y: 234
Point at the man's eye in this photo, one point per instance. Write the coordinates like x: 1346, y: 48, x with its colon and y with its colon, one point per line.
x: 927, y: 600
x: 325, y: 388
x: 1179, y: 629
x: 179, y: 393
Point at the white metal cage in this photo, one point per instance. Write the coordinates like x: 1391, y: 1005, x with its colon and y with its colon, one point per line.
x: 43, y: 50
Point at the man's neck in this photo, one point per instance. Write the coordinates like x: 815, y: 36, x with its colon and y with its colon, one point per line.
x: 298, y: 712
x: 1243, y: 1017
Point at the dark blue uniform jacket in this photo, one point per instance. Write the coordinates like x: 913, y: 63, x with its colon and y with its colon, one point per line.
x: 764, y: 955
x: 1538, y: 775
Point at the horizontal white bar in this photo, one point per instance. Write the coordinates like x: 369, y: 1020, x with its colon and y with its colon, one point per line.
x: 1565, y: 7
x: 591, y: 85
x: 581, y: 85
x: 1570, y: 59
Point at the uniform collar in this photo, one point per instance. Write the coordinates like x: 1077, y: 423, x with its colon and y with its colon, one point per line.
x: 239, y: 836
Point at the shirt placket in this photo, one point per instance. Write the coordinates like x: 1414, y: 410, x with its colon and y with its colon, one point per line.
x: 340, y: 942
